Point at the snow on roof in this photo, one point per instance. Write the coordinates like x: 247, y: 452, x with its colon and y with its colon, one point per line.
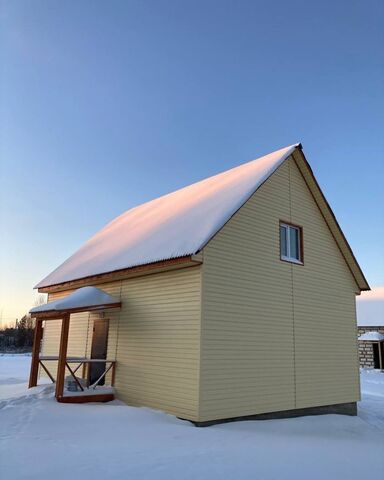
x: 80, y: 298
x: 372, y: 336
x: 370, y: 308
x: 175, y: 225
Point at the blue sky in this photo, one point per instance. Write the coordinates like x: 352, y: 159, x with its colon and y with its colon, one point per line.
x: 107, y: 104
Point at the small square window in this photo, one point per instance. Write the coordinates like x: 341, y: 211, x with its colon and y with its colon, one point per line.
x: 291, y: 243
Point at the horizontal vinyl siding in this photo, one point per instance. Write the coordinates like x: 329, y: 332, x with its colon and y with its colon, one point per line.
x: 158, y: 341
x: 155, y: 338
x: 50, y: 345
x: 324, y: 306
x: 276, y: 336
x: 79, y: 329
x: 247, y: 363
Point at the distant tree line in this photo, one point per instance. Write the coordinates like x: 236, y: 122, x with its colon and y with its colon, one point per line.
x: 18, y: 338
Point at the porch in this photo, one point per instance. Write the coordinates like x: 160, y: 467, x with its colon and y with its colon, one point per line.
x: 78, y: 386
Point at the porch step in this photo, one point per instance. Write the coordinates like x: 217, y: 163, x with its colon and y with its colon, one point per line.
x: 99, y: 397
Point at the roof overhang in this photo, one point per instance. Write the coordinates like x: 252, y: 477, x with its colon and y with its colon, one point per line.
x: 150, y: 268
x: 83, y: 299
x: 330, y: 219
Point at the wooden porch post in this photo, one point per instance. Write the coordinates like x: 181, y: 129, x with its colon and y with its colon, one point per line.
x: 62, y: 357
x: 35, y: 353
x: 113, y: 374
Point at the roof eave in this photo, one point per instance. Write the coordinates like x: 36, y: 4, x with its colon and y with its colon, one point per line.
x: 169, y: 264
x: 54, y: 314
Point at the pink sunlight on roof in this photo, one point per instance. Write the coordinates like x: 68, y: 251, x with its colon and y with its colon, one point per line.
x: 172, y: 226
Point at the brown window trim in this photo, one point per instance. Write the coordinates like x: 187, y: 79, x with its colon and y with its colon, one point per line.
x: 290, y: 224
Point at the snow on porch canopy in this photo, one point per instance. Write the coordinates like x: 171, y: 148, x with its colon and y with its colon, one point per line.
x: 82, y: 299
x: 372, y: 337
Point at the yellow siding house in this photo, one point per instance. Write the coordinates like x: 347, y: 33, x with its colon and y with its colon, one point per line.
x: 231, y: 298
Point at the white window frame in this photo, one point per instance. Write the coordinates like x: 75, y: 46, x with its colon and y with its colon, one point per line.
x: 288, y: 258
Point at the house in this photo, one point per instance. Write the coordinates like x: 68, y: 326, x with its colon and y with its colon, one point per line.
x: 231, y: 298
x: 370, y: 323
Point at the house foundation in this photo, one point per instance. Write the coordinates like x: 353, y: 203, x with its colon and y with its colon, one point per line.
x: 339, y: 409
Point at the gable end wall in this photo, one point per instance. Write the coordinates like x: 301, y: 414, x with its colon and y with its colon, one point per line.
x: 276, y: 336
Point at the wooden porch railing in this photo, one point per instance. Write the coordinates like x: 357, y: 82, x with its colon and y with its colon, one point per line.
x: 85, y: 362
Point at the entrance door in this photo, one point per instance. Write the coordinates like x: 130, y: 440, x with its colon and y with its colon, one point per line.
x: 99, y: 348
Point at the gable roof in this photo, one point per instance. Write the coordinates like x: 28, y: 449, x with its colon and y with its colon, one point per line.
x: 172, y: 226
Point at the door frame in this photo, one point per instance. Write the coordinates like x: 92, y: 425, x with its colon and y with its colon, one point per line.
x: 106, y: 321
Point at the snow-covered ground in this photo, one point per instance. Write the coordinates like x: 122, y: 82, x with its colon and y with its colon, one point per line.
x: 42, y: 439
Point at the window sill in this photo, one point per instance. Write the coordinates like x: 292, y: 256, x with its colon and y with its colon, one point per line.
x: 291, y: 260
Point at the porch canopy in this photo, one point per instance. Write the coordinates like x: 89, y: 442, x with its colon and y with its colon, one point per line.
x: 84, y: 299
x: 372, y: 337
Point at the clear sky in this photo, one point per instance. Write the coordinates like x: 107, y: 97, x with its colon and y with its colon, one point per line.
x: 105, y: 105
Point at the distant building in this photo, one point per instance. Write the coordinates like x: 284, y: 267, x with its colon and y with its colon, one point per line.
x: 370, y: 323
